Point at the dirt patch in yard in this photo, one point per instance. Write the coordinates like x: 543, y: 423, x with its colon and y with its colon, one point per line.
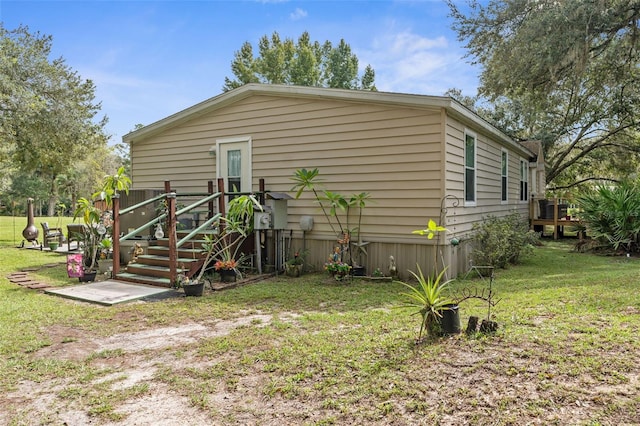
x: 37, y: 402
x: 467, y: 385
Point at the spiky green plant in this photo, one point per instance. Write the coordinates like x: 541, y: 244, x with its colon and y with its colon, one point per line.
x: 612, y: 214
x: 429, y: 297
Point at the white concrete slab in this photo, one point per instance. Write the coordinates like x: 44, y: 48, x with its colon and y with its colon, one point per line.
x: 108, y: 292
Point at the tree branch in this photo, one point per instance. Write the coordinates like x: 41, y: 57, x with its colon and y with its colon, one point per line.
x: 581, y: 181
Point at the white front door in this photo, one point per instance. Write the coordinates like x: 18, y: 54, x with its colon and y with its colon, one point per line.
x: 233, y: 163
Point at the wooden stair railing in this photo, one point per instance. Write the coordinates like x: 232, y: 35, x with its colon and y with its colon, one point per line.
x: 180, y: 252
x: 162, y: 264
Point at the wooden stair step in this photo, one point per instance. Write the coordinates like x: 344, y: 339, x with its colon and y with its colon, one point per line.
x: 150, y: 270
x: 185, y: 232
x: 189, y: 245
x: 144, y: 279
x: 182, y: 252
x: 159, y: 260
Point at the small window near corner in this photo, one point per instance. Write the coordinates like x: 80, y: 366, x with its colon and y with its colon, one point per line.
x: 505, y: 174
x: 524, y: 180
x: 469, y: 168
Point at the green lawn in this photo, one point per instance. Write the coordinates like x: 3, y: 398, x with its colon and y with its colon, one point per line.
x: 315, y: 351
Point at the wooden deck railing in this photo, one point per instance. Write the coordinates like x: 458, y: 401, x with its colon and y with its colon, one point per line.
x: 170, y: 216
x: 556, y: 221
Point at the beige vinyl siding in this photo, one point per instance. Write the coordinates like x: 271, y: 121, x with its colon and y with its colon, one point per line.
x: 408, y: 157
x: 393, y: 153
x: 488, y: 179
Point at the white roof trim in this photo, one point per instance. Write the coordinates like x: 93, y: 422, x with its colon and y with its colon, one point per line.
x: 452, y: 106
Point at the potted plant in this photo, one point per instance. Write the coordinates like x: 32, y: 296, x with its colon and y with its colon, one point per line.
x: 104, y: 259
x: 98, y: 223
x: 93, y: 232
x: 337, y: 269
x: 223, y: 250
x: 293, y: 266
x: 439, y: 313
x: 237, y: 226
x: 190, y: 287
x: 213, y: 248
x: 430, y: 300
x: 227, y: 270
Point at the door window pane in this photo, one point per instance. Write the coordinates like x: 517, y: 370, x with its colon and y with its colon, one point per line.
x: 234, y: 171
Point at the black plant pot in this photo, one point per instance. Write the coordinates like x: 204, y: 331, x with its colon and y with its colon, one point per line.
x: 450, y: 321
x: 87, y: 277
x: 193, y: 289
x: 227, y: 275
x: 359, y: 271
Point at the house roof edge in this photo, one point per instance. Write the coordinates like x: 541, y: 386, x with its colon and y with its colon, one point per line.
x: 410, y: 100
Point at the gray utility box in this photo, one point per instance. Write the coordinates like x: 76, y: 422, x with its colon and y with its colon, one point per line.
x: 277, y: 202
x: 262, y: 220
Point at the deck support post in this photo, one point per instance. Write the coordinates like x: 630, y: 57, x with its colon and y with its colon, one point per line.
x: 210, y: 190
x: 171, y: 229
x: 221, y: 205
x: 116, y: 235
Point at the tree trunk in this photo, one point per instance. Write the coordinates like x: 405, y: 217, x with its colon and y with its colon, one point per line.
x: 53, y: 198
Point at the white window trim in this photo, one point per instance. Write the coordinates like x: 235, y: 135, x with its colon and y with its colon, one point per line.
x: 236, y: 139
x: 475, y: 168
x: 523, y: 164
x: 506, y: 200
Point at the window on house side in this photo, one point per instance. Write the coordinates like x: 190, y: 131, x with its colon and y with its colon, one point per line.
x: 524, y: 180
x: 469, y: 168
x: 505, y: 169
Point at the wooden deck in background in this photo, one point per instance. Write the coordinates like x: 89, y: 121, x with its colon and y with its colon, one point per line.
x: 557, y: 222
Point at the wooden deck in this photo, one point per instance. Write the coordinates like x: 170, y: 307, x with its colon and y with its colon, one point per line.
x: 558, y: 223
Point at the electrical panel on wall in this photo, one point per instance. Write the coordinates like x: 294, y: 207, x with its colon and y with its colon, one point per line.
x: 262, y: 220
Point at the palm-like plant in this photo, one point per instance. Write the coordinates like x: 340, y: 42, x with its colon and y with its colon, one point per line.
x: 111, y: 185
x: 429, y: 297
x: 93, y: 233
x: 308, y: 180
x: 332, y: 204
x: 612, y: 214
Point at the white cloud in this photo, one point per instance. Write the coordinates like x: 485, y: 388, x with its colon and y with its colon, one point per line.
x: 411, y: 63
x: 298, y: 14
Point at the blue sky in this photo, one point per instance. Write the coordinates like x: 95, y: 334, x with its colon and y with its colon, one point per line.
x: 150, y: 59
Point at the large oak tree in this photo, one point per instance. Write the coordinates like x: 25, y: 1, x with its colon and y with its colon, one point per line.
x: 566, y: 72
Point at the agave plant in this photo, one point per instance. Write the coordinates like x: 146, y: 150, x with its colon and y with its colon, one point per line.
x: 428, y: 296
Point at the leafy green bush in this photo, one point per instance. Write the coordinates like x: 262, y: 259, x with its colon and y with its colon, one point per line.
x: 612, y: 214
x: 499, y: 241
